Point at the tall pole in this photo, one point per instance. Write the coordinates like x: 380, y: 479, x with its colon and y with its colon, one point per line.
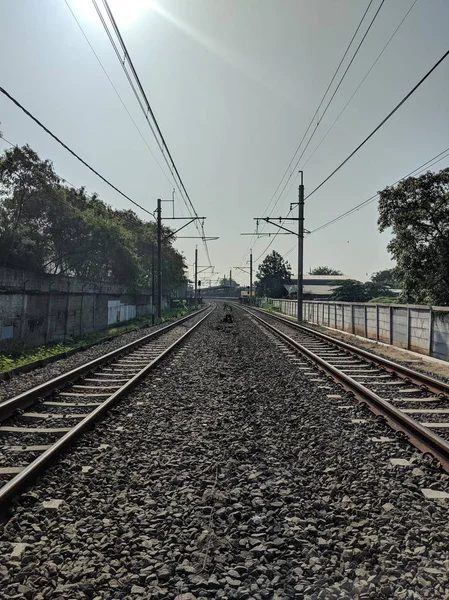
x: 196, y: 277
x: 251, y: 277
x: 159, y: 261
x: 230, y: 279
x: 153, y: 280
x: 300, y: 247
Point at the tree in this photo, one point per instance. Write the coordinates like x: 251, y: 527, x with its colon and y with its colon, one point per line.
x: 273, y: 273
x: 350, y: 290
x: 417, y: 210
x: 48, y: 227
x: 324, y: 271
x: 225, y: 282
x: 387, y: 277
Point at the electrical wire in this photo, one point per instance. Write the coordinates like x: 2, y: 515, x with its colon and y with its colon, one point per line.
x: 163, y: 144
x: 356, y: 208
x: 55, y: 137
x: 116, y: 91
x: 314, y: 116
x: 412, y: 91
x: 330, y: 101
x: 362, y: 82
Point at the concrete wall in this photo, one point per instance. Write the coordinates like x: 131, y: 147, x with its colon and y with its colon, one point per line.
x: 36, y: 310
x: 423, y: 329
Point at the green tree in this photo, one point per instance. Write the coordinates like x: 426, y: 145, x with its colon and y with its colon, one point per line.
x: 387, y: 277
x: 225, y: 282
x: 350, y: 290
x: 273, y: 273
x: 50, y: 228
x: 417, y: 211
x: 323, y: 270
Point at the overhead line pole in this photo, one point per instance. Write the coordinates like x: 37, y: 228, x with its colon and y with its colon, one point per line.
x: 300, y: 236
x: 159, y: 260
x: 196, y: 277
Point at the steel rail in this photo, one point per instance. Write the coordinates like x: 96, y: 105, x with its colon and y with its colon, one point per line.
x: 421, y: 437
x: 31, y: 471
x: 431, y: 383
x: 29, y: 397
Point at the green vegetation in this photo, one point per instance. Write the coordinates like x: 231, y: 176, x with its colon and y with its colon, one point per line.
x: 18, y: 359
x: 384, y: 300
x: 417, y: 212
x: 352, y: 290
x: 48, y: 227
x: 272, y: 274
x: 324, y: 270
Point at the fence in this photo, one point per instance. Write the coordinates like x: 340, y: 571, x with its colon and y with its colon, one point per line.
x: 36, y: 310
x: 423, y: 329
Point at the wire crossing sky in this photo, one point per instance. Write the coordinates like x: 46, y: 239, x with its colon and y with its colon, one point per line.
x: 234, y: 85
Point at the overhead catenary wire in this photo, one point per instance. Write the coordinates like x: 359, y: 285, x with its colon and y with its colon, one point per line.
x: 116, y: 91
x: 147, y: 109
x: 434, y: 160
x: 390, y: 114
x: 331, y: 98
x: 72, y: 152
x: 361, y: 82
x: 315, y: 115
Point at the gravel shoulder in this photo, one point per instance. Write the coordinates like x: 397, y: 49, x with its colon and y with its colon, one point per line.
x: 25, y: 381
x: 418, y: 362
x: 231, y: 474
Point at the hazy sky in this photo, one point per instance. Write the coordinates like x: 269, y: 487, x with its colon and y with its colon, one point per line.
x: 233, y: 84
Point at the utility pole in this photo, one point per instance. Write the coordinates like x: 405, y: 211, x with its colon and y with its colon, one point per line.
x: 299, y: 235
x: 159, y: 260
x: 251, y: 277
x: 230, y: 279
x: 300, y: 247
x: 196, y: 277
x: 153, y: 280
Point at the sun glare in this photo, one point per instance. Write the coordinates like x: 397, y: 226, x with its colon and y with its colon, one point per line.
x: 124, y: 11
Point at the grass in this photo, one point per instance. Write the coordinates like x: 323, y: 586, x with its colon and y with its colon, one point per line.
x: 18, y: 359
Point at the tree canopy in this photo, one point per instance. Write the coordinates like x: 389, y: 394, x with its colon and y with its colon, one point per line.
x: 48, y: 227
x: 324, y: 270
x: 387, y: 277
x: 352, y: 290
x: 273, y: 273
x: 225, y: 281
x: 417, y: 210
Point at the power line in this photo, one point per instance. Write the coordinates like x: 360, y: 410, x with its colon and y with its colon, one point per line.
x: 116, y: 91
x: 314, y: 116
x: 334, y: 93
x: 422, y: 167
x: 412, y: 91
x: 434, y: 160
x: 127, y: 58
x: 363, y: 80
x: 55, y: 137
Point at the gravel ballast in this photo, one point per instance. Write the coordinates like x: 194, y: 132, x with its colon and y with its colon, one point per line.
x: 235, y: 476
x: 24, y: 381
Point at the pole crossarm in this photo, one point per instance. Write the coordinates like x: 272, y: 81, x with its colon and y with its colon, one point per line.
x: 273, y: 222
x: 264, y: 234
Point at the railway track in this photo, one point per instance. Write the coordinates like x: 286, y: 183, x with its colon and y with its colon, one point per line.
x: 66, y: 406
x: 411, y: 402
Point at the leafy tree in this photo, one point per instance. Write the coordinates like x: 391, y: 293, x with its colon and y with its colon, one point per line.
x: 386, y: 277
x: 324, y: 271
x: 273, y: 273
x: 48, y: 227
x: 350, y: 290
x: 417, y: 210
x: 225, y: 282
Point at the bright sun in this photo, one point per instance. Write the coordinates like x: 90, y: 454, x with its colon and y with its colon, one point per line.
x: 125, y: 11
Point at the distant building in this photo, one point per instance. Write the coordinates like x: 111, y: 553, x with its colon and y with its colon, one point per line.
x: 316, y: 287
